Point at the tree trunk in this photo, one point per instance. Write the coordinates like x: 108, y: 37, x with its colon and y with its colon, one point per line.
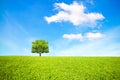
x: 39, y: 54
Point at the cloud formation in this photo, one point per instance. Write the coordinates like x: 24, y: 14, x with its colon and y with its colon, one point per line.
x: 88, y: 36
x: 74, y: 13
x: 91, y: 35
x: 73, y: 36
x: 106, y: 46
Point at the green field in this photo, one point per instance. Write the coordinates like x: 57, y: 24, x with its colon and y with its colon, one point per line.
x: 59, y: 68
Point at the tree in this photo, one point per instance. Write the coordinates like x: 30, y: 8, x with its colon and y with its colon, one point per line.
x: 40, y: 46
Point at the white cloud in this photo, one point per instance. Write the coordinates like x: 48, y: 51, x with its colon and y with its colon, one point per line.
x: 107, y: 46
x: 73, y: 36
x: 74, y: 13
x: 91, y: 35
x: 88, y: 36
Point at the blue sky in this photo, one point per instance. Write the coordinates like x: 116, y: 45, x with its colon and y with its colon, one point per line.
x: 72, y: 27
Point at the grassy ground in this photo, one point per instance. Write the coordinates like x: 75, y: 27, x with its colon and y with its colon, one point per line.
x: 59, y: 68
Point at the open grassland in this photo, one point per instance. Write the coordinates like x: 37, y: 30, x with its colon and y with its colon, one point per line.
x: 59, y: 68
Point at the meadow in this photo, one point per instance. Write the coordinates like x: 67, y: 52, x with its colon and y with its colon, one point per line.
x: 59, y: 68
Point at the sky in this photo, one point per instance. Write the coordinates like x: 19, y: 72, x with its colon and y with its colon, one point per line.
x: 71, y: 27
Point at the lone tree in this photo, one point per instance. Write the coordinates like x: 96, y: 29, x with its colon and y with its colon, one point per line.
x: 40, y: 46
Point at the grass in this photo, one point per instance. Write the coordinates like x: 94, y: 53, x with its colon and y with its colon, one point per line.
x: 59, y: 68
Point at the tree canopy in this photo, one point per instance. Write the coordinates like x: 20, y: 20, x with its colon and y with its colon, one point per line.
x: 40, y: 46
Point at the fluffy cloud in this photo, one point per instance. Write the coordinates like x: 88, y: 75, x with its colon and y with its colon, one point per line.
x: 107, y: 46
x: 88, y: 36
x: 91, y: 36
x: 73, y: 36
x: 74, y: 13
